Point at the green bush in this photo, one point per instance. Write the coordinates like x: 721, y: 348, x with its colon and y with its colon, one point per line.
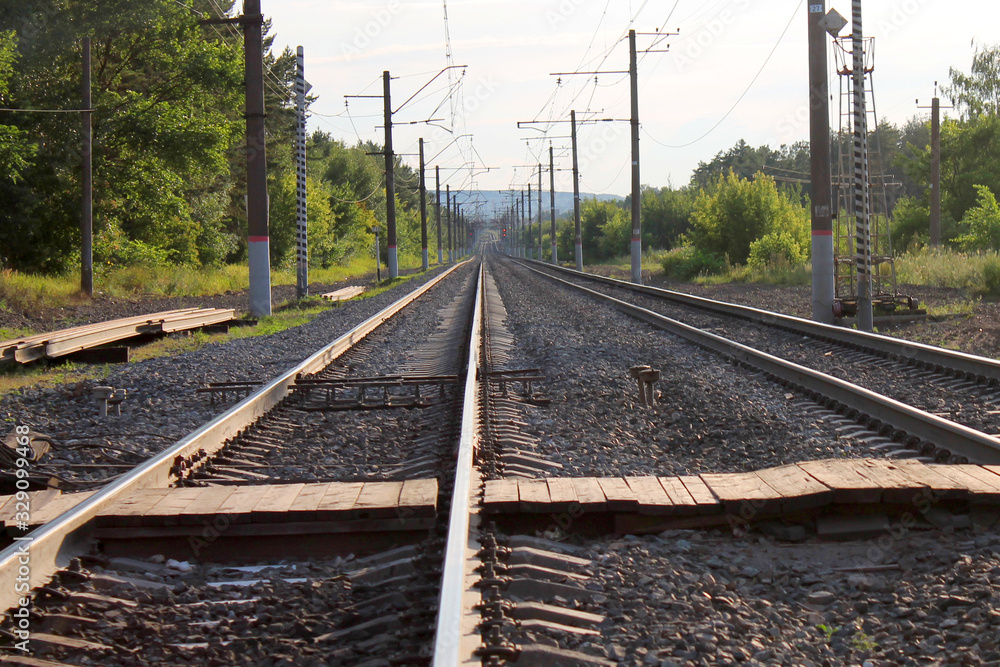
x: 775, y: 248
x: 991, y: 276
x: 982, y: 222
x: 687, y: 262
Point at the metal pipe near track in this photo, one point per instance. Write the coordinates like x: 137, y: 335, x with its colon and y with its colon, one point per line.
x: 959, y: 362
x: 454, y: 642
x: 956, y: 438
x: 49, y: 547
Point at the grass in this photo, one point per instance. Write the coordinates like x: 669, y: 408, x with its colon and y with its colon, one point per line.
x: 285, y: 316
x: 977, y: 272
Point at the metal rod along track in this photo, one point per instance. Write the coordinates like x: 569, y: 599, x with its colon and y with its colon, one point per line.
x: 49, y: 547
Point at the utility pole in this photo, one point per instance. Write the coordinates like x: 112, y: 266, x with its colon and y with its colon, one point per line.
x: 87, y: 204
x: 259, y: 245
x: 935, y: 221
x: 531, y: 237
x: 552, y: 203
x: 863, y: 241
x: 819, y: 148
x: 447, y: 201
x: 578, y: 239
x: 539, y: 211
x: 302, y: 211
x: 390, y: 182
x: 437, y: 205
x: 633, y: 73
x: 423, y: 210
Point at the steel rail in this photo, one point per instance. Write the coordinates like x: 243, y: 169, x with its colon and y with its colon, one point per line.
x: 49, y: 547
x: 456, y: 619
x: 956, y: 438
x: 970, y: 365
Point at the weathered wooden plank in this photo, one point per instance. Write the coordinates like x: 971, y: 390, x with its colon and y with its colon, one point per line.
x: 338, y: 501
x: 939, y: 486
x: 897, y: 487
x: 620, y: 496
x: 979, y: 482
x: 847, y: 485
x: 701, y: 494
x: 679, y: 496
x: 418, y: 498
x: 799, y: 490
x: 533, y: 495
x: 306, y: 503
x: 562, y: 495
x: 165, y: 512
x: 128, y: 511
x: 500, y: 495
x: 274, y: 503
x: 240, y: 503
x: 377, y: 500
x: 744, y: 493
x: 209, y: 502
x: 589, y: 494
x: 653, y: 500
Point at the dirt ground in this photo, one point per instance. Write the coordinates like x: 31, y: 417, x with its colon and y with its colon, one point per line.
x: 978, y: 333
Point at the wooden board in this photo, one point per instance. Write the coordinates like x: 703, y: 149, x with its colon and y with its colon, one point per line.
x: 620, y: 496
x: 897, y: 487
x: 562, y: 494
x: 744, y: 493
x: 653, y: 500
x: 338, y: 501
x: 680, y: 498
x: 500, y: 495
x: 979, y: 482
x: 938, y: 485
x: 377, y: 500
x: 165, y: 512
x: 129, y: 511
x: 589, y: 494
x: 847, y: 485
x: 701, y: 494
x: 274, y: 503
x: 418, y: 498
x: 240, y: 503
x: 207, y: 508
x: 799, y: 490
x: 533, y: 495
x: 306, y: 503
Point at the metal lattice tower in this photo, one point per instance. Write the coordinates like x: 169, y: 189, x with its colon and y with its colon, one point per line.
x: 876, y: 201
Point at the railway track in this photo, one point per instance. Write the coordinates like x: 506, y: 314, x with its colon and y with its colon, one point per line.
x: 439, y: 486
x: 941, y: 403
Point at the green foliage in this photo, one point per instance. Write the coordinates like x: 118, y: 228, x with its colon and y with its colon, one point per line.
x: 982, y: 223
x: 687, y: 262
x: 977, y: 94
x: 734, y: 212
x: 666, y: 216
x: 991, y: 277
x: 606, y: 229
x: 775, y: 249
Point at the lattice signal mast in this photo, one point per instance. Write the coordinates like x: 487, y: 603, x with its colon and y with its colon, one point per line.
x: 864, y: 269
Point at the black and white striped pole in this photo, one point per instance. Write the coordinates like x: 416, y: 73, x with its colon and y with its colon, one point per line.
x: 861, y: 209
x: 301, y: 215
x: 437, y: 205
x: 423, y: 211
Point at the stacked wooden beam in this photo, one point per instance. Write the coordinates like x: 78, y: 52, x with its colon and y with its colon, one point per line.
x: 344, y: 293
x: 68, y: 341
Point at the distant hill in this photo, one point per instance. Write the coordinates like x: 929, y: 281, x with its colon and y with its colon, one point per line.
x: 498, y: 200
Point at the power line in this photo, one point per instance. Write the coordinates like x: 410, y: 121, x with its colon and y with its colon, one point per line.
x: 740, y: 98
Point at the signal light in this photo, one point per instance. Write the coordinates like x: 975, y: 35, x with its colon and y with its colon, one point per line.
x: 505, y: 231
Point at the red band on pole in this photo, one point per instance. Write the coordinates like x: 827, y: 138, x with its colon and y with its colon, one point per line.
x: 822, y: 232
x: 259, y: 239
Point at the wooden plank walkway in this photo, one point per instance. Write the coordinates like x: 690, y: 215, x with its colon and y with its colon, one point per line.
x: 67, y: 341
x: 782, y: 490
x: 407, y: 504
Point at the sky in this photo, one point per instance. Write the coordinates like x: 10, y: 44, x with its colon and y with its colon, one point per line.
x: 736, y: 70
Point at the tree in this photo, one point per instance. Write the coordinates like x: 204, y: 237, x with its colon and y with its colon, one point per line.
x: 606, y: 229
x: 666, y: 216
x: 977, y: 94
x: 734, y: 212
x: 982, y: 223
